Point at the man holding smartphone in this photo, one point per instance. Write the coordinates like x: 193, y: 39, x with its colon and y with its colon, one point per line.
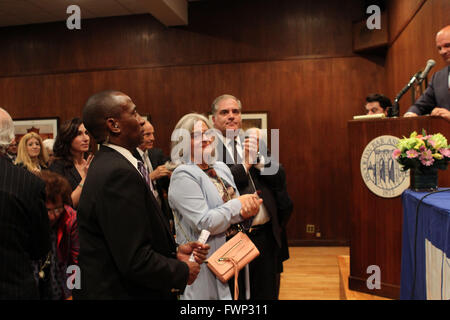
x: 265, y: 232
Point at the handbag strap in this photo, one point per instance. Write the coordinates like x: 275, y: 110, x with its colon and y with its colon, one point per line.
x: 179, y: 225
x: 236, y: 274
x: 251, y: 180
x: 235, y: 265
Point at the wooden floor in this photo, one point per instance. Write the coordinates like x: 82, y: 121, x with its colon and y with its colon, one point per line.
x: 313, y: 273
x: 346, y: 293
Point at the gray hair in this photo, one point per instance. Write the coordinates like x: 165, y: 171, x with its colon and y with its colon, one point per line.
x: 188, y: 121
x: 184, y: 125
x: 6, y: 130
x: 216, y: 101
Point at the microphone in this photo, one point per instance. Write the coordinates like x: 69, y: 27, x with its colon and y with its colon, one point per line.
x: 395, y: 110
x: 418, y: 77
x: 423, y: 75
x: 414, y: 78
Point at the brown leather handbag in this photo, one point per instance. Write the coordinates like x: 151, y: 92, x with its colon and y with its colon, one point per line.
x: 231, y: 257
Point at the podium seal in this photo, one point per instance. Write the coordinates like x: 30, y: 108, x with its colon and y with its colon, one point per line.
x: 380, y: 172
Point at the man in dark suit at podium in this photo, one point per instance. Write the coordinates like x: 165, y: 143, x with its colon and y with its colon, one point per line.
x: 436, y: 98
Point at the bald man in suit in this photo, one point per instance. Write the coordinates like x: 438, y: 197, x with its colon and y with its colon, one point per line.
x: 436, y: 98
x: 126, y: 248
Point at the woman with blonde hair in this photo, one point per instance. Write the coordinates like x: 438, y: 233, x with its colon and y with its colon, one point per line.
x: 31, y: 153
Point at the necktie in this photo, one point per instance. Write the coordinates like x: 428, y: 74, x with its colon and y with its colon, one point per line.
x: 235, y: 153
x: 144, y: 173
x: 150, y: 170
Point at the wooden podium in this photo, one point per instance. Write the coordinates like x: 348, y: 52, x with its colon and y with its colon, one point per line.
x: 376, y: 222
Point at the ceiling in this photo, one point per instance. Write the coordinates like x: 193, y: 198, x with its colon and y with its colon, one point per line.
x: 20, y: 12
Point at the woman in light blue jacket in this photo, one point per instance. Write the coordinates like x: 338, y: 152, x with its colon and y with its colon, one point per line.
x: 202, y: 195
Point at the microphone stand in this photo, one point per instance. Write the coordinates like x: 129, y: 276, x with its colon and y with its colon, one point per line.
x: 395, y: 105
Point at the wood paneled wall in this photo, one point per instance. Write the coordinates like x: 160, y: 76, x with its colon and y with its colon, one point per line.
x: 290, y: 58
x: 401, y: 12
x: 224, y: 31
x: 413, y: 43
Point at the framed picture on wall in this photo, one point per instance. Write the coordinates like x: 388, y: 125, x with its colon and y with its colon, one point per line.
x: 47, y: 128
x: 252, y: 120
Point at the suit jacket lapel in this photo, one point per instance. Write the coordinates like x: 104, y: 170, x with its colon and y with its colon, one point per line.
x: 153, y: 157
x: 226, y: 156
x: 137, y: 155
x: 441, y: 88
x: 156, y: 205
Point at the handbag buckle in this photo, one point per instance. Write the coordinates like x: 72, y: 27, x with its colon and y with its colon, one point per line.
x: 224, y: 258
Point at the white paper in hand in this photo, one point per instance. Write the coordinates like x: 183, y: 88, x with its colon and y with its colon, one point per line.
x: 202, y: 239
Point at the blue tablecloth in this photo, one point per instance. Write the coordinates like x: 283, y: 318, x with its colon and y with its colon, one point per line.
x: 425, y: 275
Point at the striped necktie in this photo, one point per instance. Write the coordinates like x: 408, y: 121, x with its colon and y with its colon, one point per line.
x: 144, y: 173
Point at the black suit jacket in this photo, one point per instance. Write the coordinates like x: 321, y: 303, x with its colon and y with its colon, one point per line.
x: 157, y: 158
x: 274, y: 194
x: 66, y: 169
x: 24, y: 230
x: 245, y: 186
x: 436, y: 95
x: 285, y: 206
x: 126, y: 248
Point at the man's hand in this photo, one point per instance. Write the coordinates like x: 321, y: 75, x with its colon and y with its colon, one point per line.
x: 410, y: 115
x: 251, y: 148
x: 194, y: 269
x: 441, y: 112
x: 200, y: 252
x: 159, y: 172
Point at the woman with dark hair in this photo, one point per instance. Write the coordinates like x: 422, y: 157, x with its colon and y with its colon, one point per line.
x: 65, y: 246
x: 70, y: 148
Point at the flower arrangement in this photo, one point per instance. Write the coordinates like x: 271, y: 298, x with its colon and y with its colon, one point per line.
x: 421, y: 152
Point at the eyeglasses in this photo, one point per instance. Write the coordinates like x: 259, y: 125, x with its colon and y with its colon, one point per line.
x: 202, y: 135
x: 55, y: 211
